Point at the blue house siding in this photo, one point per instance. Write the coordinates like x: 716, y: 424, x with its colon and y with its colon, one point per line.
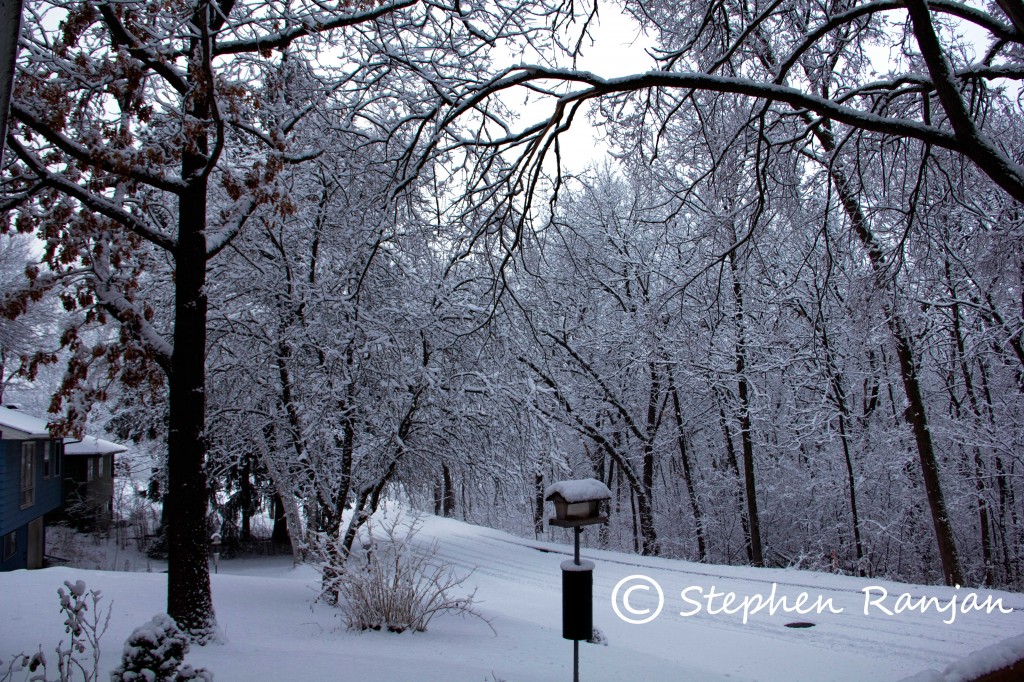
x: 48, y: 495
x: 20, y: 558
x: 3, y: 481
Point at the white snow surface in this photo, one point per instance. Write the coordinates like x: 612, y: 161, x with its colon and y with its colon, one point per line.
x: 274, y: 630
x: 579, y: 490
x: 979, y: 663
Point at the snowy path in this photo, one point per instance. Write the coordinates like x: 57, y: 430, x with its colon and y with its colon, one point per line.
x: 845, y: 646
x: 274, y: 631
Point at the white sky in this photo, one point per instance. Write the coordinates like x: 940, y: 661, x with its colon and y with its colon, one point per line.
x: 617, y: 48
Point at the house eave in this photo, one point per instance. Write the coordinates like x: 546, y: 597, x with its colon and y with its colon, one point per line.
x: 8, y: 433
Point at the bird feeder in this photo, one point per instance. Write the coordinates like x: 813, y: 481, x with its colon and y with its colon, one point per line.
x: 577, y: 504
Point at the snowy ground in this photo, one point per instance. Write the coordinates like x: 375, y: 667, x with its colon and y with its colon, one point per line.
x: 274, y: 630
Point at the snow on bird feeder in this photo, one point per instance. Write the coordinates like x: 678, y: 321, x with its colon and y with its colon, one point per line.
x: 577, y: 503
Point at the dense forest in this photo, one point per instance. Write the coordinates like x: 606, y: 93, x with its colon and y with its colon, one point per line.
x: 321, y: 251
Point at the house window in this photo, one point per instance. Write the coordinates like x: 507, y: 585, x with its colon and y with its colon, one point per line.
x: 46, y: 459
x: 28, y: 474
x: 90, y: 468
x: 58, y: 455
x: 10, y: 545
x: 99, y: 466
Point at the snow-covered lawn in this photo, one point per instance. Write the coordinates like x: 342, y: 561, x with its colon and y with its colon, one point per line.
x: 275, y: 631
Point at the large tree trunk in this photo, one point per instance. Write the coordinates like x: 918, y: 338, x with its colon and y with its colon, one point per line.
x: 189, y: 601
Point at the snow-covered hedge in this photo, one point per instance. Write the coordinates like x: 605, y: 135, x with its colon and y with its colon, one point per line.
x: 155, y: 652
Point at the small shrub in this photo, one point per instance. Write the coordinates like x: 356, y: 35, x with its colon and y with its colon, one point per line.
x: 391, y: 586
x: 155, y: 652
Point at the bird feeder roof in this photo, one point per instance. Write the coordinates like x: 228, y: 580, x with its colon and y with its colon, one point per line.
x: 583, y: 490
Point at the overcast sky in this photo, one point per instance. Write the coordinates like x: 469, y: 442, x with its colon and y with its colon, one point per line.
x: 618, y: 48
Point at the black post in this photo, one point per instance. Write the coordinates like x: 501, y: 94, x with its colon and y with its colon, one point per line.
x: 576, y: 642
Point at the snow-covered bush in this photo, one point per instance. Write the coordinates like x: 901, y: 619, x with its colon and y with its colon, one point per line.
x: 84, y: 630
x: 155, y: 652
x: 391, y: 585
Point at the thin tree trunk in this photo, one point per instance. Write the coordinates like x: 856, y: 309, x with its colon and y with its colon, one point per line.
x: 981, y: 500
x: 345, y: 443
x: 448, y: 496
x: 746, y: 436
x: 650, y: 539
x: 538, y: 505
x: 245, y: 495
x: 684, y: 457
x: 839, y: 396
x: 852, y: 484
x: 632, y: 515
x: 734, y: 467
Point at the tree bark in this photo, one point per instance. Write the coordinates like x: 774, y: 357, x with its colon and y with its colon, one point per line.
x: 189, y: 601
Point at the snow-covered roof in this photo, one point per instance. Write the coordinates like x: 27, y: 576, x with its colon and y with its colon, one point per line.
x: 16, y: 425
x: 91, y: 445
x: 578, y: 491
